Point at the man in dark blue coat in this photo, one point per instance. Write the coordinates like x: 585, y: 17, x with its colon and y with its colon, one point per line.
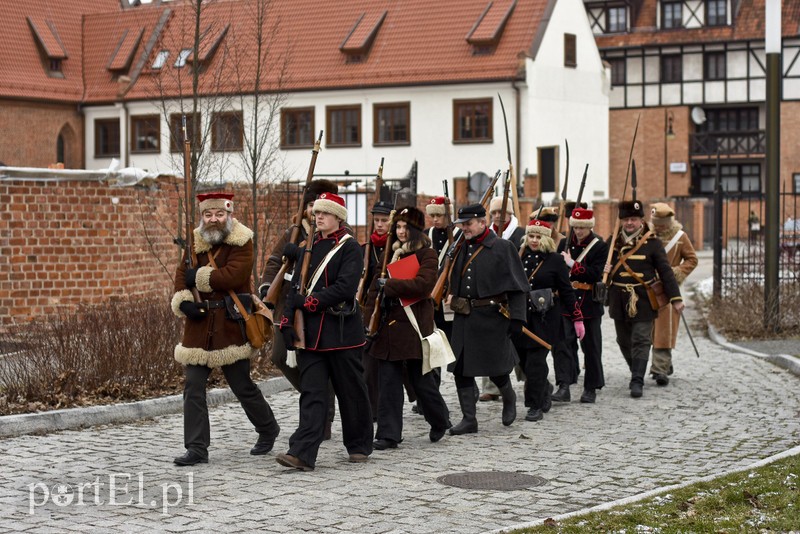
x: 488, y: 288
x: 334, y: 339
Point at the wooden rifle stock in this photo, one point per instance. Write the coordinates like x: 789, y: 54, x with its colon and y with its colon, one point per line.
x: 274, y: 290
x: 299, y: 323
x: 440, y: 287
x: 190, y: 258
x: 375, y: 319
x: 368, y: 245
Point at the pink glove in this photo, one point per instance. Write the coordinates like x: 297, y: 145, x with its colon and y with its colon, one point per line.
x: 580, y: 330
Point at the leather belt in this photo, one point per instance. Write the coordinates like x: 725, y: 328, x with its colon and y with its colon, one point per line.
x: 581, y: 285
x: 477, y: 303
x: 213, y: 304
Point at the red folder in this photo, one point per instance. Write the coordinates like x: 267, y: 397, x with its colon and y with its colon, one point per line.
x: 405, y: 269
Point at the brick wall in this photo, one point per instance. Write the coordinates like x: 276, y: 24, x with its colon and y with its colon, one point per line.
x: 29, y: 133
x: 71, y: 242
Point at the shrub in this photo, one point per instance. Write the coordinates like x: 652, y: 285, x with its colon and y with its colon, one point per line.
x: 116, y: 351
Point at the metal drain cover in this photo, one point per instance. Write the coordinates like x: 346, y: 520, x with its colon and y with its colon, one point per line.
x: 491, y: 480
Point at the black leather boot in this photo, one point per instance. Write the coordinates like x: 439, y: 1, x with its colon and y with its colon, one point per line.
x: 562, y: 395
x: 469, y: 423
x: 638, y: 369
x: 509, y: 403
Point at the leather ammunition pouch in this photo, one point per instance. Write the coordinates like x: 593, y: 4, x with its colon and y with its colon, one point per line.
x: 541, y: 300
x: 460, y: 305
x: 232, y: 311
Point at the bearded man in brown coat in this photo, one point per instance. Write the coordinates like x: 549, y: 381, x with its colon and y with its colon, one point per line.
x: 211, y: 338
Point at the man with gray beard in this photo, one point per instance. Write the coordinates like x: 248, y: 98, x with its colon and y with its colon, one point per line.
x: 214, y: 336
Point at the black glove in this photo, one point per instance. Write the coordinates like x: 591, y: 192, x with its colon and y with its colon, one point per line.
x: 381, y: 282
x: 189, y: 276
x: 292, y: 252
x: 192, y: 311
x: 290, y: 338
x: 516, y: 326
x: 297, y: 301
x: 262, y: 291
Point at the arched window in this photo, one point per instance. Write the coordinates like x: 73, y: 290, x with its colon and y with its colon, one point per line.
x: 60, y: 149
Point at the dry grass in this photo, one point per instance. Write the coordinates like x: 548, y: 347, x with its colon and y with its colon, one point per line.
x: 115, y: 352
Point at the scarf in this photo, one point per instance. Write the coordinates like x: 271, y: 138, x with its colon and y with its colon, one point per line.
x: 378, y: 240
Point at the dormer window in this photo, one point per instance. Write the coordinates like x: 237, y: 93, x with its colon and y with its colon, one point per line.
x: 487, y: 30
x: 51, y: 48
x: 358, y: 42
x: 182, y: 57
x: 160, y: 60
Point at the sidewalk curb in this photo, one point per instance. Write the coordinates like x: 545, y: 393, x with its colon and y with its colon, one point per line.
x: 784, y: 361
x: 78, y: 418
x: 646, y: 495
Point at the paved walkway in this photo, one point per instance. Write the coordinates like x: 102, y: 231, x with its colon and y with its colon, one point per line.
x: 722, y: 411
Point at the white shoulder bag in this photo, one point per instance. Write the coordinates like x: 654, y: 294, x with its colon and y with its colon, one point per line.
x: 436, y: 351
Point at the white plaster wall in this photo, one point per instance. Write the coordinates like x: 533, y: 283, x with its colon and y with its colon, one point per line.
x: 569, y: 103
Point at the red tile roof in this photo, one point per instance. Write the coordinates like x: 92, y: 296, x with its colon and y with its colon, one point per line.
x: 490, y: 26
x: 419, y: 42
x: 748, y: 24
x: 23, y: 73
x: 122, y: 56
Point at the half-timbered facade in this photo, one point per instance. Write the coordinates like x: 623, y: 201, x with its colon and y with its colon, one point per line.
x: 695, y: 70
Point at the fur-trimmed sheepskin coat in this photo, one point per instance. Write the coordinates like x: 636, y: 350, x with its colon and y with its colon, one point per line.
x: 683, y: 259
x: 216, y: 341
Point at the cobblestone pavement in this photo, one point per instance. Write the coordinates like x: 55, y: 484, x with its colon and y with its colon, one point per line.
x: 721, y: 411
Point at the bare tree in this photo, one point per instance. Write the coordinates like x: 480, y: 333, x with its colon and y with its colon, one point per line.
x: 260, y: 69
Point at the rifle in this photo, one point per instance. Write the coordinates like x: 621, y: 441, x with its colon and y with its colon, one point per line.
x: 564, y: 193
x: 502, y: 222
x: 189, y: 256
x: 615, y: 228
x: 511, y: 174
x: 375, y: 319
x: 299, y: 324
x: 441, y: 283
x: 274, y: 290
x: 368, y: 246
x: 448, y: 216
x: 578, y: 203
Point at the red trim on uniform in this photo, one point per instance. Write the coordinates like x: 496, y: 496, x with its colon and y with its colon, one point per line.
x: 378, y: 240
x: 480, y: 238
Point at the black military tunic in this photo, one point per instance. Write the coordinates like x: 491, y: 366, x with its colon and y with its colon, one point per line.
x: 481, y: 339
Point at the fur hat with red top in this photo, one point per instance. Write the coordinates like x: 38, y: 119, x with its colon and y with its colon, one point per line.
x: 215, y: 201
x: 412, y: 217
x: 538, y: 226
x: 331, y: 203
x: 582, y: 218
x: 437, y: 206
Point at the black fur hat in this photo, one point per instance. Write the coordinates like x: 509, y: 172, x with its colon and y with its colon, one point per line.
x: 412, y: 216
x: 631, y: 208
x: 316, y: 188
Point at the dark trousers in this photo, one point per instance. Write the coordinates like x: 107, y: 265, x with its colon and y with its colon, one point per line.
x: 372, y: 380
x: 469, y: 381
x: 634, y: 339
x: 565, y: 359
x: 196, y: 428
x: 537, y: 386
x: 292, y: 374
x: 592, y: 347
x: 390, y: 403
x: 343, y: 369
